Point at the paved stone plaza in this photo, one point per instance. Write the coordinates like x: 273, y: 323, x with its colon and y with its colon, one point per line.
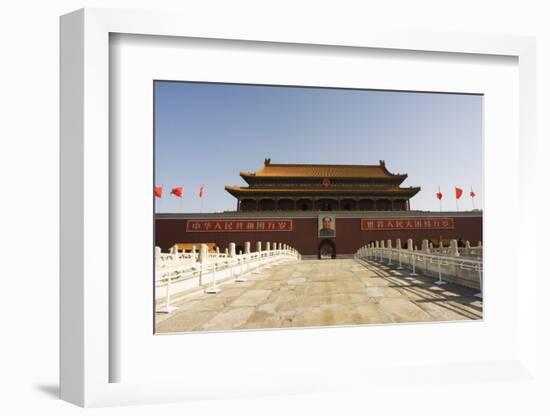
x: 311, y: 293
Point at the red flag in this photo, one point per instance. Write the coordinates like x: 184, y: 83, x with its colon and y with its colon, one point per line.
x: 439, y: 196
x: 472, y: 193
x: 458, y: 192
x: 201, y: 191
x: 177, y: 191
x: 158, y: 191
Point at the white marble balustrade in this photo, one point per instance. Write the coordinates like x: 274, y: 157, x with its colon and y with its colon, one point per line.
x: 458, y: 265
x: 178, y: 273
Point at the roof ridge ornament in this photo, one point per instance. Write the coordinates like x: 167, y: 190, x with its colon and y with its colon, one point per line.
x: 267, y: 161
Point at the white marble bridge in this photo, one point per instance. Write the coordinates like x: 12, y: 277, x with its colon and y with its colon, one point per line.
x: 275, y: 288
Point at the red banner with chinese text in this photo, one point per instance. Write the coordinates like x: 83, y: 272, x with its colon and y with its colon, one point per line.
x: 368, y: 224
x: 206, y: 226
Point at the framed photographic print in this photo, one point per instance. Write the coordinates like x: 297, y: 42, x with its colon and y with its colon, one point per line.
x: 241, y: 257
x: 290, y: 201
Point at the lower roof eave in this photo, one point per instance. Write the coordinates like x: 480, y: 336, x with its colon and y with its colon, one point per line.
x: 320, y: 195
x: 315, y: 214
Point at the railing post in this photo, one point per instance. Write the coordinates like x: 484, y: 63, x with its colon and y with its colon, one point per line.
x: 203, y: 255
x: 258, y: 258
x: 241, y: 277
x: 454, y: 249
x: 268, y: 255
x: 231, y: 256
x: 426, y: 250
x: 425, y: 247
x: 389, y: 252
x: 398, y: 244
x: 480, y: 293
x: 440, y: 281
x: 167, y: 307
x: 157, y: 256
x: 203, y: 258
x: 413, y: 262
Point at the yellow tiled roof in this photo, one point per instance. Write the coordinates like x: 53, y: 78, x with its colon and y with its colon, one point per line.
x: 322, y: 171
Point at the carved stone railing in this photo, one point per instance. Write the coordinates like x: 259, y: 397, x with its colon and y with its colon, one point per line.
x: 177, y: 273
x: 449, y: 265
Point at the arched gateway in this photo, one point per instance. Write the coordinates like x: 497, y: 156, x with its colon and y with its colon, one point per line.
x: 327, y: 249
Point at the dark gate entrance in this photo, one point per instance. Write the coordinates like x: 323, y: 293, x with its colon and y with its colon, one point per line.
x: 327, y: 249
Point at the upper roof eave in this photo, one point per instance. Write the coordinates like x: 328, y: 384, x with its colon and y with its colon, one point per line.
x: 253, y: 175
x: 238, y: 190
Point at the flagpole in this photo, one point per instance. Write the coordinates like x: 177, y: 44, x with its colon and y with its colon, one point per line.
x: 201, y: 195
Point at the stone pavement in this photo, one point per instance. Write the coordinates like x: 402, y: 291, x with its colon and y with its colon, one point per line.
x: 311, y: 293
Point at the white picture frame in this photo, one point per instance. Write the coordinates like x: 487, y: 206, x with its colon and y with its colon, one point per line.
x: 86, y: 334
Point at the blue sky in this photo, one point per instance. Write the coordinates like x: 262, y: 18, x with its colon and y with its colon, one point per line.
x: 208, y: 133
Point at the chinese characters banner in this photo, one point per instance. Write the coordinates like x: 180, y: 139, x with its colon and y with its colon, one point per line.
x: 205, y: 226
x: 368, y: 224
